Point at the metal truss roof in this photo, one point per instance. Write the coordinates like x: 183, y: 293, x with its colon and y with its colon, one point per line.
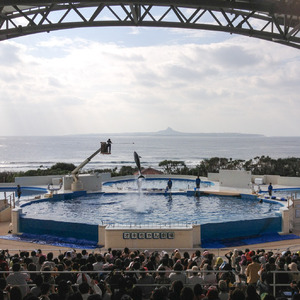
x: 273, y: 20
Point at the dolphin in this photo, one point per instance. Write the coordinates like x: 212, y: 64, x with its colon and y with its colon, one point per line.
x: 138, y: 164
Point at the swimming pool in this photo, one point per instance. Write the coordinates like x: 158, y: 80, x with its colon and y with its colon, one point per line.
x: 26, y: 191
x: 82, y: 216
x: 133, y: 208
x: 158, y: 183
x: 285, y: 192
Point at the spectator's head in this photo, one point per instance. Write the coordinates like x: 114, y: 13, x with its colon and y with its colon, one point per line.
x: 186, y: 255
x: 15, y: 293
x: 38, y: 280
x: 83, y: 268
x: 68, y: 263
x: 84, y: 287
x: 178, y: 267
x: 50, y: 256
x: 158, y: 295
x: 195, y: 270
x: 137, y: 293
x: 237, y: 294
x: 60, y: 267
x: 212, y: 294
x: 177, y: 286
x: 45, y: 288
x: 251, y: 291
x: 161, y: 271
x: 198, y: 289
x: 99, y: 258
x: 165, y: 261
x: 281, y: 265
x: 186, y: 293
x: 222, y: 285
x: 63, y: 287
x: 16, y: 267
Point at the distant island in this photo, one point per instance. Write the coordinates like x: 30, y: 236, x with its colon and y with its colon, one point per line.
x: 171, y: 132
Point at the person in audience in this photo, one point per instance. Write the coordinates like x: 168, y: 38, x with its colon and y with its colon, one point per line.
x: 237, y: 294
x: 223, y: 290
x: 15, y: 293
x: 41, y: 260
x: 251, y: 293
x: 3, y: 291
x: 145, y: 282
x: 48, y: 262
x: 252, y: 271
x: 178, y: 274
x: 161, y: 277
x: 209, y: 277
x: 19, y: 279
x: 175, y: 290
x: 195, y: 278
x: 84, y: 290
x: 45, y: 291
x: 198, y: 292
x: 36, y: 289
x: 186, y: 293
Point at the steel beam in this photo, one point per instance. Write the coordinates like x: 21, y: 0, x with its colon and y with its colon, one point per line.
x: 273, y: 20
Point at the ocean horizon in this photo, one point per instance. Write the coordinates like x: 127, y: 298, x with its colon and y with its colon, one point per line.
x: 32, y: 152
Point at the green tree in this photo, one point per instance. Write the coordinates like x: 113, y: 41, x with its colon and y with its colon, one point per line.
x: 63, y: 166
x: 127, y: 170
x: 172, y: 166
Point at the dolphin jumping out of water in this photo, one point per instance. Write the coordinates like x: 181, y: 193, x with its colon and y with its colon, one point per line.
x: 138, y: 164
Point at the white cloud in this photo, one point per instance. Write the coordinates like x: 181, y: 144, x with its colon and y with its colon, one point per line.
x: 67, y: 86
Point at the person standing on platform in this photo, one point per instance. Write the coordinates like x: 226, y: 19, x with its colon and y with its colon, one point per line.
x: 109, y: 142
x: 198, y: 182
x: 270, y: 189
x: 197, y: 189
x: 169, y: 185
x: 19, y: 192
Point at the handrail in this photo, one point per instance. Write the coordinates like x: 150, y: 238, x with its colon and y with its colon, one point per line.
x: 274, y: 285
x: 9, y: 200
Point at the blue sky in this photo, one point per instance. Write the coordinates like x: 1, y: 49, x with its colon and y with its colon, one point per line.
x: 114, y: 80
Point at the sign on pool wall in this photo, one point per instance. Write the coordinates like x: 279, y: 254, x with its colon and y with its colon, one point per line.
x: 149, y: 238
x: 148, y: 235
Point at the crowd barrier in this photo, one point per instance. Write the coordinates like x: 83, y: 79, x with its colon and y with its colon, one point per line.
x: 273, y: 286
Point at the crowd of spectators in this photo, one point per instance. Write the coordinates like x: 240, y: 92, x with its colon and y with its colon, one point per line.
x: 141, y: 275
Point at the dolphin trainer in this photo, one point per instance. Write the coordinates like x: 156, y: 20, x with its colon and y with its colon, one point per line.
x: 138, y: 164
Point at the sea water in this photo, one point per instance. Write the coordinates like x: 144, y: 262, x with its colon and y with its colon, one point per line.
x: 24, y: 153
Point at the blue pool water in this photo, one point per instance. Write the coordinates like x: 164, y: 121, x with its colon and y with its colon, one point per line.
x: 159, y: 183
x: 282, y: 193
x: 26, y: 191
x: 133, y: 208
